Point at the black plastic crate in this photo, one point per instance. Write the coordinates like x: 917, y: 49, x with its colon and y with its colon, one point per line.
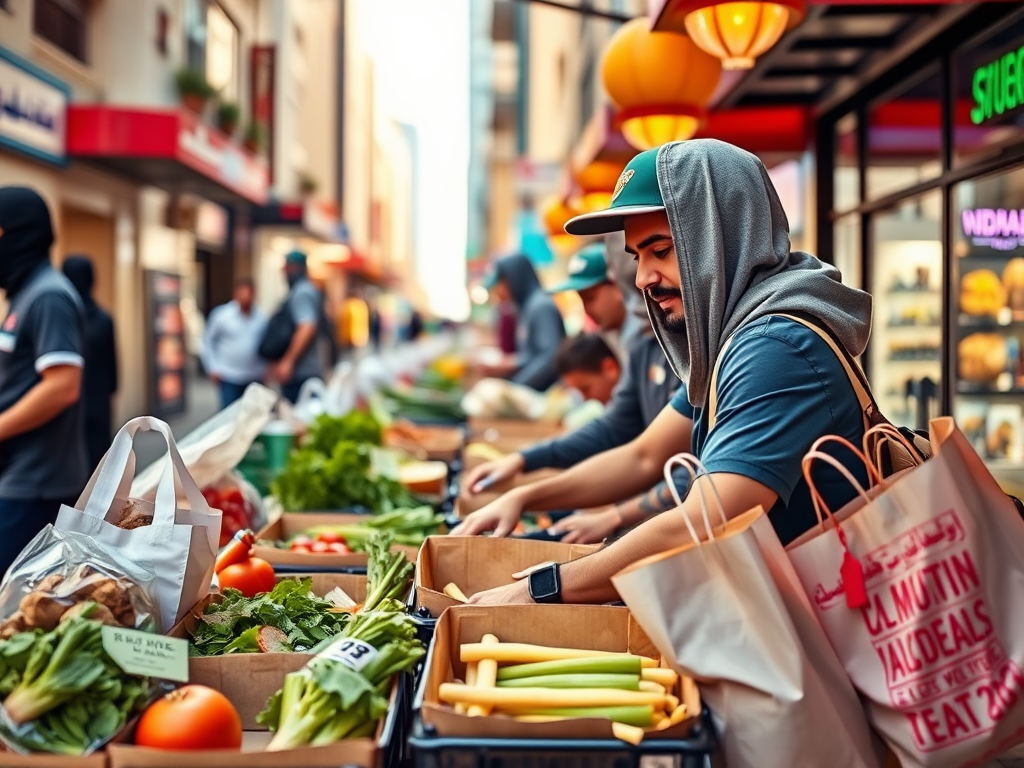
x: 432, y: 751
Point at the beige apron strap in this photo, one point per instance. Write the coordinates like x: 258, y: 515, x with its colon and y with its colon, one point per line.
x: 713, y: 389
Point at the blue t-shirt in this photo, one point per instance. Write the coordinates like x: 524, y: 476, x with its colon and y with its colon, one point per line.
x: 780, y: 388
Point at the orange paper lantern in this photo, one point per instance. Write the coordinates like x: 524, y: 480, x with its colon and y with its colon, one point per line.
x: 597, y: 181
x: 660, y: 81
x: 556, y: 213
x: 737, y: 33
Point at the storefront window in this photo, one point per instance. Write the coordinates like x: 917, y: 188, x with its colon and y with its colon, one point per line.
x: 847, y: 250
x: 212, y: 46
x: 988, y: 247
x: 847, y: 172
x: 906, y: 335
x: 988, y: 83
x: 904, y: 141
x: 65, y: 23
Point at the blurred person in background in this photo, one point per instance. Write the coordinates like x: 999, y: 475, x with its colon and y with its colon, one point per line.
x: 231, y: 343
x: 99, y: 377
x: 42, y: 354
x: 602, y: 299
x: 587, y: 364
x: 539, y: 327
x: 302, y: 360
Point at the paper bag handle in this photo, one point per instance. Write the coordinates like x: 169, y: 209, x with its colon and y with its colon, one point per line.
x: 99, y: 494
x: 874, y: 474
x: 692, y: 465
x: 877, y: 435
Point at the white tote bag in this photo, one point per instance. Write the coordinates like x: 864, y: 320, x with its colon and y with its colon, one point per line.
x: 181, y: 542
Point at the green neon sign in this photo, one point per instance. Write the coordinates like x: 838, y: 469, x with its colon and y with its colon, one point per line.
x: 998, y: 87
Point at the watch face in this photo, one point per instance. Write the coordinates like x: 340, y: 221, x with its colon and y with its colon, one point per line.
x: 544, y: 583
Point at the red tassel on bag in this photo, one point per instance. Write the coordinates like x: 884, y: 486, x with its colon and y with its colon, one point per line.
x: 852, y: 574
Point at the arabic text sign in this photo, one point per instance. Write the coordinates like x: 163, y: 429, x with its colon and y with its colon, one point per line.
x: 33, y: 112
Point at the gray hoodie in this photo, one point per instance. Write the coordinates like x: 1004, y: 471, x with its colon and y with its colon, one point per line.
x: 732, y: 244
x: 539, y: 327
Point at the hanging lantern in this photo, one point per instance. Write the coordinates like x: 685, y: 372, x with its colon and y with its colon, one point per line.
x: 737, y: 33
x: 660, y: 81
x: 596, y: 181
x: 556, y: 213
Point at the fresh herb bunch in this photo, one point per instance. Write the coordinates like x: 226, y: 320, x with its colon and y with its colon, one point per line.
x: 356, y: 426
x: 62, y: 692
x: 344, y: 479
x: 388, y: 575
x: 234, y: 625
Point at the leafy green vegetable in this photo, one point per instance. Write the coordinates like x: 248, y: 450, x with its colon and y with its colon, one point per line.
x: 355, y: 426
x: 387, y: 575
x: 423, y: 402
x: 232, y: 626
x: 64, y: 693
x: 344, y: 479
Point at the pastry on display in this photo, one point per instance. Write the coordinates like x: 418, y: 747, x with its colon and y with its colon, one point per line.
x: 1013, y: 283
x: 982, y: 357
x: 982, y: 293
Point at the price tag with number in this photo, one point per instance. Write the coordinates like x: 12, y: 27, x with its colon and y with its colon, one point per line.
x: 354, y: 654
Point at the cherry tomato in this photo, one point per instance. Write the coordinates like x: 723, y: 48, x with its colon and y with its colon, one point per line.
x: 250, y: 577
x: 234, y: 495
x: 303, y: 541
x: 302, y: 548
x: 338, y: 548
x: 329, y: 537
x: 320, y: 548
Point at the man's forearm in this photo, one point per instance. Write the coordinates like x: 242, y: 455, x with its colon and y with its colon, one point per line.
x: 301, y: 339
x: 40, y: 405
x: 638, y: 509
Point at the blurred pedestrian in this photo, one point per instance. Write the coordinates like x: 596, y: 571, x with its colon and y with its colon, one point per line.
x: 302, y: 359
x: 602, y: 298
x: 231, y: 342
x: 99, y: 377
x: 42, y: 348
x: 539, y: 327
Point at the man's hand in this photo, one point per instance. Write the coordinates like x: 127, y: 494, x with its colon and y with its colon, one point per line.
x: 501, y: 516
x: 498, y: 470
x: 283, y: 370
x: 517, y: 593
x: 589, y: 527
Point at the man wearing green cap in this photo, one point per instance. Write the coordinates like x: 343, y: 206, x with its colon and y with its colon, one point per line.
x: 302, y: 360
x: 729, y: 301
x: 602, y: 299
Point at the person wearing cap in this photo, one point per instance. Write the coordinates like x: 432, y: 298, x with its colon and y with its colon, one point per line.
x: 302, y: 360
x: 645, y: 387
x: 602, y: 300
x: 539, y: 326
x: 723, y: 290
x: 587, y: 363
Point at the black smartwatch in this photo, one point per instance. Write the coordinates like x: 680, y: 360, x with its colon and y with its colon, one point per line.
x: 546, y: 584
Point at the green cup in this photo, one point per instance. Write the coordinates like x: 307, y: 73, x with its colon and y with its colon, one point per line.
x: 268, y: 455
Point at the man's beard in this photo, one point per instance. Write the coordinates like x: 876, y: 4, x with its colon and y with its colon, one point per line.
x: 670, y: 321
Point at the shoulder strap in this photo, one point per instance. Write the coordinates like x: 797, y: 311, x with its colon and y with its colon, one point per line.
x: 853, y: 372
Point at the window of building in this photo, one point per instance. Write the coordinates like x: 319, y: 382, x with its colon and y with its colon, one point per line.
x: 847, y: 164
x: 65, y: 24
x: 212, y: 46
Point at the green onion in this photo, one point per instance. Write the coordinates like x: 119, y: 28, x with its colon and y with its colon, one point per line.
x: 622, y: 682
x: 611, y: 665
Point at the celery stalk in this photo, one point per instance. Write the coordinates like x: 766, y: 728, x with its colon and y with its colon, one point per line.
x: 622, y: 682
x: 611, y: 665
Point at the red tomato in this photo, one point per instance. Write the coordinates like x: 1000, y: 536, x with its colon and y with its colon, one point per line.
x: 303, y: 548
x: 192, y: 717
x: 234, y: 495
x: 329, y: 537
x: 320, y: 548
x: 249, y: 577
x: 339, y: 548
x: 302, y: 541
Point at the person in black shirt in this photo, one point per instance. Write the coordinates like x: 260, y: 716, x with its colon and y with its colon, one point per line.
x: 99, y: 379
x: 42, y: 347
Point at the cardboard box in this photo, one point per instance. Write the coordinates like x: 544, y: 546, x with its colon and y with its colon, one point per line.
x: 14, y: 760
x: 488, y: 430
x: 589, y: 627
x: 248, y: 680
x: 433, y: 443
x: 479, y: 563
x: 293, y: 523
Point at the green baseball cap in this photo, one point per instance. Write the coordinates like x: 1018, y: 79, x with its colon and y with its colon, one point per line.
x: 586, y: 269
x: 295, y: 257
x: 636, y: 192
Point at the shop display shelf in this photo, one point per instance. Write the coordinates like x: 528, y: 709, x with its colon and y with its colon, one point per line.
x: 987, y: 390
x: 429, y: 750
x: 969, y: 323
x: 913, y: 292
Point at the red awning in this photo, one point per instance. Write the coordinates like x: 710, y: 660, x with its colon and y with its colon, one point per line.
x: 170, y: 149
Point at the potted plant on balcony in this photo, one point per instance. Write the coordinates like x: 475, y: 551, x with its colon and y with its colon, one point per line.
x: 255, y: 137
x: 194, y: 89
x: 307, y: 184
x: 227, y: 117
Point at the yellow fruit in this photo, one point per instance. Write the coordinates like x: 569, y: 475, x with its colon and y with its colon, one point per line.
x: 982, y: 293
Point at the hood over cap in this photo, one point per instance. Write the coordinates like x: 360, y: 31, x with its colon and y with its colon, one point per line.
x: 520, y: 277
x: 731, y: 240
x: 27, y: 236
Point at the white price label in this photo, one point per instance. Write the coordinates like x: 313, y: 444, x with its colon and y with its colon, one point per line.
x: 384, y: 463
x: 354, y: 654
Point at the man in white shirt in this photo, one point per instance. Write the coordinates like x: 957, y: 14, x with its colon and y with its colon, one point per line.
x: 231, y: 341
